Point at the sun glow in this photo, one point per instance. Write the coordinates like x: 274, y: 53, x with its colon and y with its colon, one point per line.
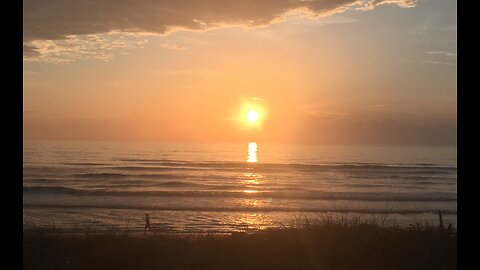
x: 253, y: 113
x: 252, y: 116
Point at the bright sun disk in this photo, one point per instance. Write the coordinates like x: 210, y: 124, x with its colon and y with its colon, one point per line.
x: 252, y: 116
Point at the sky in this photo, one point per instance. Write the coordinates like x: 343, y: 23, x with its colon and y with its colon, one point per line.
x: 367, y: 72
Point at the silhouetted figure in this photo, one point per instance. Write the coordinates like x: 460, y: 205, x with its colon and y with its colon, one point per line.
x: 440, y: 220
x: 147, y: 224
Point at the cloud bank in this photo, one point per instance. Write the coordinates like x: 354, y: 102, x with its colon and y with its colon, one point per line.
x: 99, y: 46
x: 63, y: 19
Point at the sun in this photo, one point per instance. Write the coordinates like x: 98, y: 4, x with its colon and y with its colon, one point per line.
x: 252, y: 116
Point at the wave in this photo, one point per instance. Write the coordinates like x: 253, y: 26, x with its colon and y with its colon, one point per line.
x: 171, y: 162
x: 223, y: 164
x: 317, y: 195
x: 100, y: 175
x: 422, y: 176
x: 157, y: 168
x: 148, y: 184
x: 103, y: 175
x: 241, y: 209
x: 357, y: 170
x: 85, y: 164
x: 330, y: 164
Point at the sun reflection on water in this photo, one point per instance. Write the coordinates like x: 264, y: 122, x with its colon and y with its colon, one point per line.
x: 252, y: 152
x: 251, y: 178
x: 251, y: 182
x: 253, y: 221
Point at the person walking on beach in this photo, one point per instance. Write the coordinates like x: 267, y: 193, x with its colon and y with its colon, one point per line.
x: 147, y: 224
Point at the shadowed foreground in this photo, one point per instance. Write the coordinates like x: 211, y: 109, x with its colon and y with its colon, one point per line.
x: 327, y: 246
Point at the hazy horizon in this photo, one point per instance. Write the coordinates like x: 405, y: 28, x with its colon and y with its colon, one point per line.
x: 244, y: 142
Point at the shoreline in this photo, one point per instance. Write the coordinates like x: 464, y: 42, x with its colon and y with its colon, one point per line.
x: 171, y: 228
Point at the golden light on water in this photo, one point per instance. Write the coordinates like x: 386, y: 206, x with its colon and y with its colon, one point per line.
x: 252, y: 152
x: 253, y: 221
x: 251, y: 178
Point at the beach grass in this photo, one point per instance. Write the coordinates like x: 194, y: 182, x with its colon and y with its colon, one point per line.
x: 346, y: 243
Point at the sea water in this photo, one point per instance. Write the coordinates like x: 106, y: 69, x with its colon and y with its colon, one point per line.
x: 221, y: 188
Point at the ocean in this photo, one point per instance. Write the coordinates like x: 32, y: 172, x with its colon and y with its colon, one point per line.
x: 223, y: 188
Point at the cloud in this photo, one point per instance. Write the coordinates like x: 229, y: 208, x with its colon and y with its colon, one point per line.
x: 443, y: 53
x: 30, y: 51
x: 401, y: 3
x: 318, y: 115
x: 173, y: 46
x: 369, y: 5
x: 447, y: 58
x: 100, y: 46
x: 57, y: 20
x: 438, y: 63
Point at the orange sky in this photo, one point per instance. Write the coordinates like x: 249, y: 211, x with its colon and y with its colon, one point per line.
x: 363, y: 75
